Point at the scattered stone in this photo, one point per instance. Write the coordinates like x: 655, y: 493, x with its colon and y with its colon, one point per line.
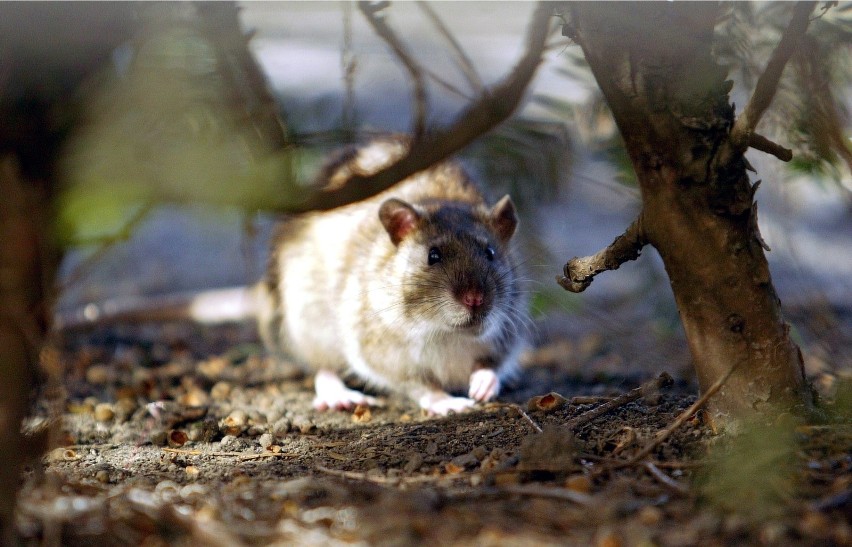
x: 99, y: 375
x: 362, y: 414
x: 104, y: 412
x: 229, y: 443
x: 281, y: 427
x: 650, y: 515
x: 220, y: 391
x: 266, y: 441
x: 579, y: 483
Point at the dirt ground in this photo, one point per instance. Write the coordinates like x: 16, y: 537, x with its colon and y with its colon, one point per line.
x: 182, y: 435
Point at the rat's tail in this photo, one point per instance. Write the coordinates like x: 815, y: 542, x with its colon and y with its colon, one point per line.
x: 230, y: 305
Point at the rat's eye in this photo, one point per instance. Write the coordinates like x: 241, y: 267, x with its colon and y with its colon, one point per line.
x: 489, y: 252
x: 434, y: 256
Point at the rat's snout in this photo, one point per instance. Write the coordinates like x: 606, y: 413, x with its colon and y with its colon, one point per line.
x: 472, y: 298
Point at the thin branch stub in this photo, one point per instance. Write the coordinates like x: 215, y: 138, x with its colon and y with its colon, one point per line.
x: 759, y: 142
x: 579, y: 272
x: 767, y: 83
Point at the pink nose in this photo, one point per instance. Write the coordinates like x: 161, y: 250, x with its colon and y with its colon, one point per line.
x: 472, y: 298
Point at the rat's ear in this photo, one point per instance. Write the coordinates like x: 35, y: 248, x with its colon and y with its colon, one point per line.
x: 503, y: 218
x: 399, y: 219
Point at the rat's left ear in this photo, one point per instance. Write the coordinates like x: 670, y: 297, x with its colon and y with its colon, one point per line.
x: 503, y: 218
x: 399, y: 219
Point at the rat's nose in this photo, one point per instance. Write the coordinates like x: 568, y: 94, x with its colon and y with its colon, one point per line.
x: 472, y: 298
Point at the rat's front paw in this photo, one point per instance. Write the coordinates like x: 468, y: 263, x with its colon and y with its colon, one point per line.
x: 484, y: 385
x: 440, y: 403
x: 332, y: 393
x: 343, y: 399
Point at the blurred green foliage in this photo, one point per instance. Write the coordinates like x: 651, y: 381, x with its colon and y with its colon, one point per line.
x: 810, y: 112
x: 160, y: 124
x: 752, y: 471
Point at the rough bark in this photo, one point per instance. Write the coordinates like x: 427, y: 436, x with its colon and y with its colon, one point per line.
x: 21, y: 324
x: 653, y: 61
x: 65, y: 42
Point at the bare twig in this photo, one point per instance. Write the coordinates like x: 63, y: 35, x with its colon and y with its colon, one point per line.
x: 347, y: 62
x: 759, y: 142
x: 387, y: 34
x: 579, y: 272
x: 105, y: 244
x: 238, y: 455
x: 238, y: 68
x: 767, y: 84
x: 463, y: 60
x: 672, y: 484
x: 381, y: 479
x: 543, y: 491
x: 489, y: 110
x: 526, y: 417
x: 660, y: 382
x: 447, y: 85
x: 664, y: 434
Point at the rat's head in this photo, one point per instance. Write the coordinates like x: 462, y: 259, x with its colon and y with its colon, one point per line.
x: 457, y: 270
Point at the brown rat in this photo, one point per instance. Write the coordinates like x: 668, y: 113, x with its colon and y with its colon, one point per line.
x: 414, y: 290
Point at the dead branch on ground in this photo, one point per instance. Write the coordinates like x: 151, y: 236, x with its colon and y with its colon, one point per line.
x: 683, y: 417
x: 662, y: 381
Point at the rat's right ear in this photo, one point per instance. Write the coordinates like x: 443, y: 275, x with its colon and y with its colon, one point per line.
x: 399, y: 219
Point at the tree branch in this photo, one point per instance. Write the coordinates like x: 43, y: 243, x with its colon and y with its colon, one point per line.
x: 759, y: 142
x: 493, y: 107
x: 463, y: 60
x: 245, y: 80
x: 767, y: 84
x: 371, y: 12
x: 579, y: 272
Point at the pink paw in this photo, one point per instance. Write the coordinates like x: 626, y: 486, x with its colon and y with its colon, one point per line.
x: 484, y: 385
x: 332, y: 393
x: 440, y: 403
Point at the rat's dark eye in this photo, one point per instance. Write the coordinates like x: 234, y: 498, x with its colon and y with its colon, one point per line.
x: 489, y: 252
x: 434, y: 256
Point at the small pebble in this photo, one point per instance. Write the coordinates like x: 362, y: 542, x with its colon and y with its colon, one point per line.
x: 159, y: 438
x: 98, y: 375
x: 303, y: 424
x: 579, y: 483
x: 124, y: 408
x: 266, y: 441
x: 90, y: 403
x: 220, y: 391
x: 650, y: 515
x: 102, y: 476
x: 193, y: 397
x: 281, y: 427
x: 235, y: 423
x: 228, y: 442
x: 104, y: 412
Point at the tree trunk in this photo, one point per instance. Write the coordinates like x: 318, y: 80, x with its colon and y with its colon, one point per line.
x: 654, y: 64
